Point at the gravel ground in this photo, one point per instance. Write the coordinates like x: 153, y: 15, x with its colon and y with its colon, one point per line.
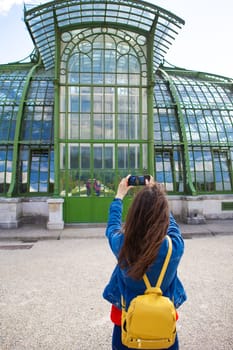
x: 51, y: 294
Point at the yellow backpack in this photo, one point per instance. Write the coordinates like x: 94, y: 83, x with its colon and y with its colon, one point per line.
x: 150, y: 321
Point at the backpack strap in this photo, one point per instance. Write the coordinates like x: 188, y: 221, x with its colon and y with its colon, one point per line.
x: 164, y: 268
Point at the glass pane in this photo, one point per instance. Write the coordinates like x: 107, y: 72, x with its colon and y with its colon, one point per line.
x: 109, y: 105
x: 62, y: 156
x: 122, y: 157
x: 39, y: 169
x: 98, y: 126
x: 109, y: 127
x: 74, y: 129
x: 85, y: 126
x: 134, y: 157
x: 222, y: 171
x: 164, y: 169
x: 85, y: 157
x: 74, y: 157
x: 134, y: 124
x: 98, y: 156
x: 85, y: 100
x: 108, y: 157
x: 123, y: 130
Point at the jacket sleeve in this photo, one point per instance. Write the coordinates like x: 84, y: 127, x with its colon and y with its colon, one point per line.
x: 113, y: 230
x: 176, y: 236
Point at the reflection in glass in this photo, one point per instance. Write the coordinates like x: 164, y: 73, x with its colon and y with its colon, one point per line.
x: 85, y: 157
x: 39, y: 172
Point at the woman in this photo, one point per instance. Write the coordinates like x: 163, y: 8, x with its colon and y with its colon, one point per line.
x: 141, y: 247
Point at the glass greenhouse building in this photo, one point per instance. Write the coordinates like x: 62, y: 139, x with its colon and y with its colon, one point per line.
x: 96, y: 102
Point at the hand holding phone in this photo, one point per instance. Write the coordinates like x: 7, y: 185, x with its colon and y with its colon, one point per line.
x: 138, y: 180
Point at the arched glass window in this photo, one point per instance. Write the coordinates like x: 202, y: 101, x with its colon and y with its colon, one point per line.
x: 103, y: 108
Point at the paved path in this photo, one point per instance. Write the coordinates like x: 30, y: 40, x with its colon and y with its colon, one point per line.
x: 51, y: 293
x: 36, y: 232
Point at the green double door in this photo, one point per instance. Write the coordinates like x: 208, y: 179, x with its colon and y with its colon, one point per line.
x: 89, y: 209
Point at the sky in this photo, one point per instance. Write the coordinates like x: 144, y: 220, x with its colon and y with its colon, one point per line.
x: 203, y: 44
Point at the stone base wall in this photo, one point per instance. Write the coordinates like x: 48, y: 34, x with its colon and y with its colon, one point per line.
x: 198, y: 209
x: 40, y: 210
x: 49, y: 211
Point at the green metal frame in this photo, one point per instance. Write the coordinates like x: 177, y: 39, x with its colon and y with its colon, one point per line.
x: 18, y: 128
x: 136, y: 14
x: 46, y: 23
x: 205, y: 113
x: 70, y: 212
x: 189, y: 188
x: 150, y: 94
x: 56, y: 115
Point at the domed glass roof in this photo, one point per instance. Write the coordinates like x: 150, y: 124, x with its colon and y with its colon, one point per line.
x: 45, y: 21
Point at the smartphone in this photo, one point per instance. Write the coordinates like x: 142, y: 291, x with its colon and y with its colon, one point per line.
x: 138, y: 180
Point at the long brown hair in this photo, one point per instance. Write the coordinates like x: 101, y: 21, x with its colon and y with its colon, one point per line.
x: 145, y: 228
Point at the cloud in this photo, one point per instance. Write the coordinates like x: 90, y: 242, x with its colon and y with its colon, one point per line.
x: 6, y: 5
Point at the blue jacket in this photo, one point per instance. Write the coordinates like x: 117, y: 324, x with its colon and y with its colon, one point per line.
x: 121, y: 284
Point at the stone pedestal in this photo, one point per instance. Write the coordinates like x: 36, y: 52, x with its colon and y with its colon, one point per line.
x: 10, y: 212
x: 193, y: 210
x: 55, y: 218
